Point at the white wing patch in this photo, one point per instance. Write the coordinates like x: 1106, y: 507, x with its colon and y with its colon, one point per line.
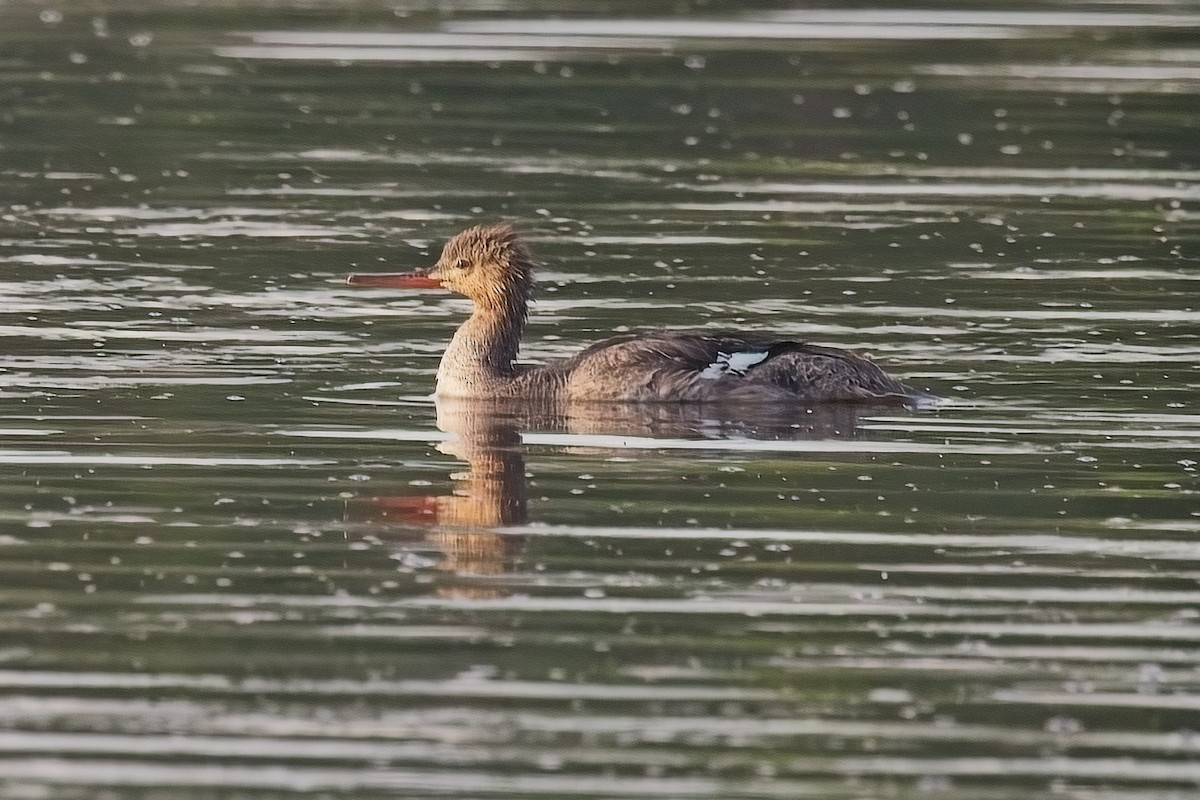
x: 733, y: 363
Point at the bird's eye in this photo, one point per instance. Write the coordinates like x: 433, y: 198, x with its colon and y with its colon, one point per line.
x: 461, y: 263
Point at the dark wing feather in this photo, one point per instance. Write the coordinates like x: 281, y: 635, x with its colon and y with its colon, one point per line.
x: 681, y: 349
x: 669, y: 365
x: 813, y: 372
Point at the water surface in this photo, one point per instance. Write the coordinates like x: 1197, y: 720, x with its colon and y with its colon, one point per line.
x: 245, y: 555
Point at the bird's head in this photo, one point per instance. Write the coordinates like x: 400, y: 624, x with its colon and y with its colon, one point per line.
x: 487, y: 263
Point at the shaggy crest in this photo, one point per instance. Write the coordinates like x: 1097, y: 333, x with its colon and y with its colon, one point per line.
x: 498, y: 243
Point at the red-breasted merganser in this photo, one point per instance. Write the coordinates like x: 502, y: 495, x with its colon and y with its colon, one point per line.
x: 490, y: 265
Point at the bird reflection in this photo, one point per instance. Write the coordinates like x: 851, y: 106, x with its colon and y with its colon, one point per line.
x: 490, y: 494
x: 472, y: 525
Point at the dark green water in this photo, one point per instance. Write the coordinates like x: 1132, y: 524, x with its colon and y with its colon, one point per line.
x: 244, y: 556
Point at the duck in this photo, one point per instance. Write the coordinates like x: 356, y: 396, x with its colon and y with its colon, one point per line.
x: 491, y: 265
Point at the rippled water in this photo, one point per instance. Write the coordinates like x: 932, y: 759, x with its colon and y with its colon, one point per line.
x: 244, y: 555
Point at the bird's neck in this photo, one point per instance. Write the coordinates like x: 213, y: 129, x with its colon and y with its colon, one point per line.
x: 479, y: 360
